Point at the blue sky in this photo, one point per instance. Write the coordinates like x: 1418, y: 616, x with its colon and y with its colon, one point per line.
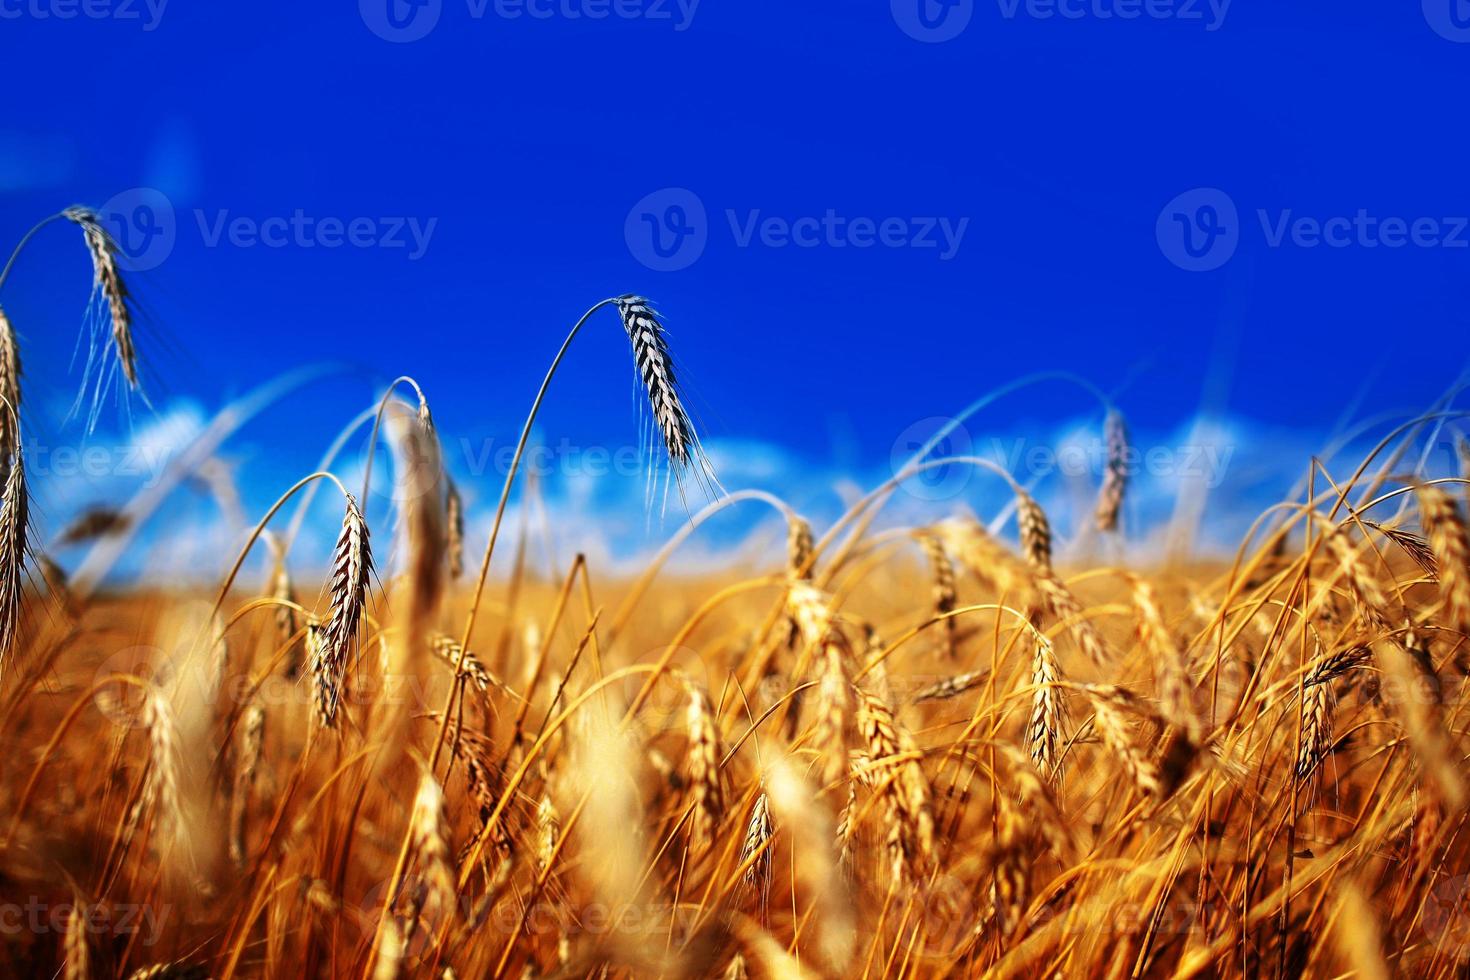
x: 865, y: 217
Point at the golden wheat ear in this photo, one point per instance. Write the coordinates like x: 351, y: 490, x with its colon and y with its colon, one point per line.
x: 352, y: 565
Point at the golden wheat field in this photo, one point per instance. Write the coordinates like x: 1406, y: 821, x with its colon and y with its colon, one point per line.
x: 880, y: 751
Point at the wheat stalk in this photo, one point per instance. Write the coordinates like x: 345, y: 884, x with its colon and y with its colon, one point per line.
x: 176, y: 970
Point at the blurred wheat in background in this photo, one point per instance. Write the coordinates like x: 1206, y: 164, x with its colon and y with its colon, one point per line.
x: 892, y: 751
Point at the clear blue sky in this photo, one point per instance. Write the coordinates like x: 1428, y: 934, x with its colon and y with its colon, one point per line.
x: 1051, y: 147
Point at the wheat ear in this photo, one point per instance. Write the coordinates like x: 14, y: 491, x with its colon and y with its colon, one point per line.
x: 1447, y: 538
x: 74, y: 942
x: 946, y: 598
x: 10, y: 391
x: 757, y: 877
x: 1115, y: 472
x: 951, y: 687
x: 108, y: 280
x: 1035, y: 532
x: 705, y: 779
x: 656, y: 369
x: 14, y: 548
x: 1176, y: 691
x: 431, y: 842
x: 252, y: 740
x: 454, y: 528
x: 352, y: 563
x: 1065, y: 608
x: 905, y: 790
x: 1108, y: 704
x: 1044, y: 727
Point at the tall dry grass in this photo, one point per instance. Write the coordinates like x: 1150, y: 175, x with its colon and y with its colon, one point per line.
x: 986, y: 757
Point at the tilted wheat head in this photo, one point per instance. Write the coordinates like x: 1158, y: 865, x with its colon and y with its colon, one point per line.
x: 109, y: 284
x: 655, y: 366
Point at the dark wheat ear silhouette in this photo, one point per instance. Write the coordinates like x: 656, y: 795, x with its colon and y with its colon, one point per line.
x: 655, y: 367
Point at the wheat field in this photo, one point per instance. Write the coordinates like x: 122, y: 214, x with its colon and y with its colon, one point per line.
x: 924, y: 751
